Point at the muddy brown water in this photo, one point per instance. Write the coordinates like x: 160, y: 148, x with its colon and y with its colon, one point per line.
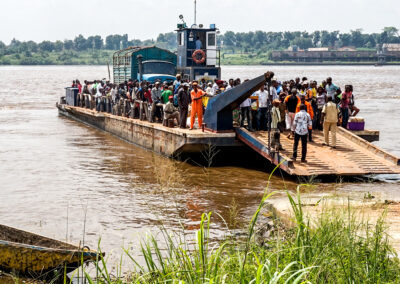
x: 63, y: 179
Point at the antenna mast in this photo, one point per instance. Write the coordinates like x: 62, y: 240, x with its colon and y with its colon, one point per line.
x: 195, y: 12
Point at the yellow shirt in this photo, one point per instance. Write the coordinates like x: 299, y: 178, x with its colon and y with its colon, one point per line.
x: 331, y: 112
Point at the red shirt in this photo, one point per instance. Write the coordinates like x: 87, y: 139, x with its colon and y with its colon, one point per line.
x: 344, y: 103
x: 147, y: 95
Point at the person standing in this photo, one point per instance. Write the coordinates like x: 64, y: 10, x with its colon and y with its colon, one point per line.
x: 183, y: 103
x: 330, y: 88
x: 199, y: 44
x: 177, y: 83
x: 302, y: 122
x: 166, y: 93
x: 273, y: 90
x: 156, y: 98
x: 344, y: 106
x: 309, y: 110
x: 197, y: 105
x: 98, y: 95
x: 352, y: 108
x: 215, y: 88
x: 330, y: 118
x: 282, y: 110
x: 245, y: 113
x: 262, y: 108
x: 275, y: 115
x: 291, y: 104
x: 230, y: 85
x: 79, y: 86
x: 321, y: 101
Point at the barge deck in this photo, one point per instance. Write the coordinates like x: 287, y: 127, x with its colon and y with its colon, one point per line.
x: 353, y: 156
x: 170, y: 142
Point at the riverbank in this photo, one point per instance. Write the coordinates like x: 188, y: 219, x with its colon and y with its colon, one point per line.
x: 102, y: 57
x: 334, y: 246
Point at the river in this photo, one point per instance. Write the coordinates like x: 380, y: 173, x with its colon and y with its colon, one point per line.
x: 71, y: 182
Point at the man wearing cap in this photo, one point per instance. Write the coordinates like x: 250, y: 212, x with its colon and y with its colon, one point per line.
x: 291, y: 104
x: 156, y: 98
x: 183, y: 103
x: 197, y: 106
x: 170, y: 111
x: 209, y: 89
x: 215, y: 88
x: 273, y: 91
x: 177, y: 83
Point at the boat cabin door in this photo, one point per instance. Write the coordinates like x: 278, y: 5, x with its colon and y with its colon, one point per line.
x: 211, y: 46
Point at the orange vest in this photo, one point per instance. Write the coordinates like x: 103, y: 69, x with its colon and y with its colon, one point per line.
x: 309, y: 109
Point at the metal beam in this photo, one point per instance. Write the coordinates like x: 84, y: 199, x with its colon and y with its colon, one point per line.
x: 218, y: 115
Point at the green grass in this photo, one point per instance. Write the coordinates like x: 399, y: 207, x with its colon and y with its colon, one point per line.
x: 335, y: 247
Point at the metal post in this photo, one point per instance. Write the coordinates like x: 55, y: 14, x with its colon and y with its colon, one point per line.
x: 269, y: 116
x: 195, y: 12
x: 108, y: 67
x: 140, y: 65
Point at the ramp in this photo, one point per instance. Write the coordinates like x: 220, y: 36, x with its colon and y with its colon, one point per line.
x: 218, y: 114
x: 353, y: 156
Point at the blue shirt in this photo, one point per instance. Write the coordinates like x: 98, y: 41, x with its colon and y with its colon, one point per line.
x: 331, y: 90
x: 199, y: 45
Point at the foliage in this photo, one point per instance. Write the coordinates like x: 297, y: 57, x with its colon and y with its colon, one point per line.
x: 335, y: 248
x: 258, y: 42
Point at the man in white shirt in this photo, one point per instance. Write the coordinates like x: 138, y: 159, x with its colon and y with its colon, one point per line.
x: 273, y: 91
x: 245, y: 113
x: 230, y: 85
x: 209, y: 89
x: 302, y: 122
x: 98, y: 95
x: 262, y: 108
x: 215, y: 88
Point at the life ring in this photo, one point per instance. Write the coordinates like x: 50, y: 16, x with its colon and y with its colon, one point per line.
x: 195, y: 56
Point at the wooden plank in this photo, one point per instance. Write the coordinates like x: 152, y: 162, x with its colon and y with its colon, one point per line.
x: 260, y: 146
x: 353, y: 156
x: 369, y: 146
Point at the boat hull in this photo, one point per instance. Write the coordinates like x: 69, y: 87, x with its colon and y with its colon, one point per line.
x: 30, y: 260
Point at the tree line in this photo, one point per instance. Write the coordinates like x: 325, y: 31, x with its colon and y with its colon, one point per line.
x: 265, y: 41
x: 30, y: 52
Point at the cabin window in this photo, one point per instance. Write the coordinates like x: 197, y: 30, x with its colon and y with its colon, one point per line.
x: 211, y: 39
x: 180, y: 39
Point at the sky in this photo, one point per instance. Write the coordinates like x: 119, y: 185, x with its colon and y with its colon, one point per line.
x: 40, y: 20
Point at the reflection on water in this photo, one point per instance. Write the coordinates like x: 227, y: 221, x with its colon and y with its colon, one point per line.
x: 53, y: 170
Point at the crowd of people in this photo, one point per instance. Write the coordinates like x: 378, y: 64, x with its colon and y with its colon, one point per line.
x: 296, y: 106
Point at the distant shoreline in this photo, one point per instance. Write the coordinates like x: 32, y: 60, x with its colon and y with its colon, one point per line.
x: 241, y: 64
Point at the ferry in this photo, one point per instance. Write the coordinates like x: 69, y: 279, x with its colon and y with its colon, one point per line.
x: 198, y: 57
